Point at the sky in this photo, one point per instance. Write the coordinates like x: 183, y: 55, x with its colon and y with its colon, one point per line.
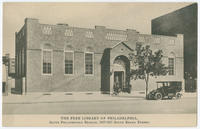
x: 112, y: 15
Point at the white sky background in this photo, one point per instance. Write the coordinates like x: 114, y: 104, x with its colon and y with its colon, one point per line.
x: 112, y: 15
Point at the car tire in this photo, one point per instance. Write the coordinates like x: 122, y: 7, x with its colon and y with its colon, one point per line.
x: 158, y: 96
x: 178, y: 95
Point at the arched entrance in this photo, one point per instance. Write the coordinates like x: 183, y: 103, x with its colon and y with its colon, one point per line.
x: 115, y: 66
x: 121, y: 71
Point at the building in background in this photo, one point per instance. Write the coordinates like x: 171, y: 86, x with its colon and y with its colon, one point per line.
x: 8, y: 74
x: 182, y: 21
x: 61, y: 58
x: 11, y: 67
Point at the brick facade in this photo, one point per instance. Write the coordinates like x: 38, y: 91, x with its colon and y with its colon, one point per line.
x: 101, y: 41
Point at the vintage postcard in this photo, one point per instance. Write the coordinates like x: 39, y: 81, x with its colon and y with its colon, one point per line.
x: 99, y: 64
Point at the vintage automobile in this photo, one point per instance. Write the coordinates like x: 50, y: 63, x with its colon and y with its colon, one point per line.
x: 166, y: 89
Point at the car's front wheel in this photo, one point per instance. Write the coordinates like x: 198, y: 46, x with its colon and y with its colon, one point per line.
x: 158, y: 96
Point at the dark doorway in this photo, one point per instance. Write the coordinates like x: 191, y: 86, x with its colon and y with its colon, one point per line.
x: 119, y: 79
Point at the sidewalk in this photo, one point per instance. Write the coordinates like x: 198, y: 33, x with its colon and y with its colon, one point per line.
x: 68, y: 97
x: 190, y: 94
x: 76, y: 97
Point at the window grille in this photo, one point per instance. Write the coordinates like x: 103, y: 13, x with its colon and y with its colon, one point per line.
x: 88, y: 63
x: 89, y: 34
x: 47, y: 30
x: 171, y: 66
x: 116, y: 36
x: 68, y: 32
x: 47, y: 63
x: 69, y: 62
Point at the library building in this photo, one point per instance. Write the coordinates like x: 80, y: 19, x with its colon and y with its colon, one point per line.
x: 62, y: 58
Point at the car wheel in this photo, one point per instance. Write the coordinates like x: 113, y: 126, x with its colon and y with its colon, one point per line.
x: 158, y: 96
x: 178, y: 95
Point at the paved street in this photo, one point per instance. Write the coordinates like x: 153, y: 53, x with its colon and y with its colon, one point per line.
x: 115, y: 106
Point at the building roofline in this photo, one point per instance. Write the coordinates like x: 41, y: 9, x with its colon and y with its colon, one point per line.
x: 158, y: 35
x: 67, y: 25
x: 175, y: 11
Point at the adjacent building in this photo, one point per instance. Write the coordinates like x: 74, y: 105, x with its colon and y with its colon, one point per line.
x: 182, y: 21
x: 62, y: 58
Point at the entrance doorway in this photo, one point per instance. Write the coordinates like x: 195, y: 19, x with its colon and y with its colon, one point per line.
x: 119, y: 79
x: 121, y: 70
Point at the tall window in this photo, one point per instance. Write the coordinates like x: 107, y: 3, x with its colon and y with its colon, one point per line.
x: 89, y: 63
x: 47, y: 63
x: 171, y: 66
x: 69, y: 63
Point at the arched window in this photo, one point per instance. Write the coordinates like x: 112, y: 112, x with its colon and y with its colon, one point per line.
x: 47, y: 59
x: 171, y: 63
